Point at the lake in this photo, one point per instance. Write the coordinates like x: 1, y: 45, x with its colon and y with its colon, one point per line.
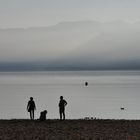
x: 106, y: 93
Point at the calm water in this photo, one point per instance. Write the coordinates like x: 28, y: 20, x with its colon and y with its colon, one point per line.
x: 102, y: 98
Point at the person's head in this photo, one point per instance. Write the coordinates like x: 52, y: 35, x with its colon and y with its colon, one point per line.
x: 31, y: 98
x: 61, y: 97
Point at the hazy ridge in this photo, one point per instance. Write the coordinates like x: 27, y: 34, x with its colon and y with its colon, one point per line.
x: 79, y: 45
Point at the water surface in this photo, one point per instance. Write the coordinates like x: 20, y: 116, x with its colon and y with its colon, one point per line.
x: 106, y: 93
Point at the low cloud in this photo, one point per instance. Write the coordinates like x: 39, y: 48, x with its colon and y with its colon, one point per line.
x: 86, y: 44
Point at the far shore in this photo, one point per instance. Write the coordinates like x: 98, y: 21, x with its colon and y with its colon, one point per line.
x: 98, y: 129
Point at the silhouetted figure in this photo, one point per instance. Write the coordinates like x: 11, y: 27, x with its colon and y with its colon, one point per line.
x: 43, y: 115
x: 86, y: 83
x: 62, y: 105
x: 31, y: 107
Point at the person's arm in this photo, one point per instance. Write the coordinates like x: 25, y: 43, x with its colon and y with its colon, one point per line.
x: 35, y: 105
x: 66, y: 103
x: 59, y: 104
x: 27, y: 106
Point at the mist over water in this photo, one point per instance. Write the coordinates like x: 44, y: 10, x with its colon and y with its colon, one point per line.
x: 90, y: 45
x: 106, y: 93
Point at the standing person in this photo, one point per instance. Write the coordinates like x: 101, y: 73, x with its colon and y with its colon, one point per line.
x: 62, y: 105
x: 31, y: 107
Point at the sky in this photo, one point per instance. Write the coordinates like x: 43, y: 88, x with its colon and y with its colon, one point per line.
x: 88, y: 33
x: 29, y: 13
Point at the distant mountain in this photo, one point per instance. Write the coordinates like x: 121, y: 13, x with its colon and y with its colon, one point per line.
x: 80, y: 45
x: 44, y: 43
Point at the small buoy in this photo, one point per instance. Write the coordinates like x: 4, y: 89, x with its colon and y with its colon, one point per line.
x: 86, y: 83
x: 122, y: 108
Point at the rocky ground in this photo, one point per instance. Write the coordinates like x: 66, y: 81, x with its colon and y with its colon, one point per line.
x: 70, y: 130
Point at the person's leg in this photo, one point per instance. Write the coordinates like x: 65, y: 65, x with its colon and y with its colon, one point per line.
x: 63, y: 112
x: 63, y: 115
x: 33, y: 114
x: 60, y: 112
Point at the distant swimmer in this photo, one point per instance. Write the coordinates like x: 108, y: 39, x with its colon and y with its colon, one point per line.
x: 86, y: 83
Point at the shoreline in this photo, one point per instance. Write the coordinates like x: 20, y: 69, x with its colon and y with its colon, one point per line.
x: 75, y: 129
